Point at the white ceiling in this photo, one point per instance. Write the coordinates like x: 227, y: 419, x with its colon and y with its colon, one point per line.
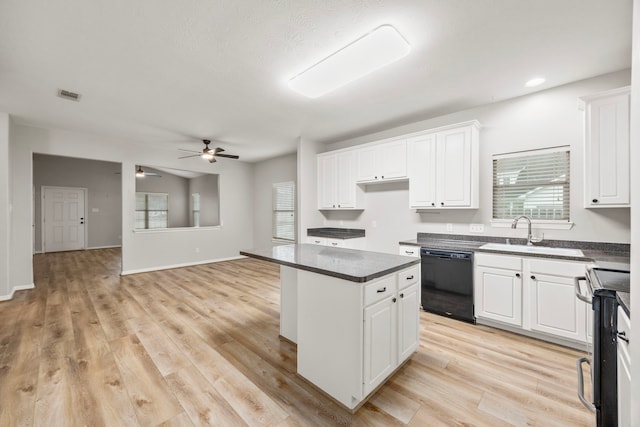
x: 172, y: 72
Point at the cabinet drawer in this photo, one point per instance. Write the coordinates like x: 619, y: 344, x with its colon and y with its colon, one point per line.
x: 408, y: 277
x: 335, y: 243
x: 316, y: 240
x: 498, y: 261
x: 408, y: 250
x: 379, y: 289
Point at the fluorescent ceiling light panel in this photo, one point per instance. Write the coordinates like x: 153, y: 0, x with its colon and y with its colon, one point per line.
x: 535, y: 82
x: 374, y: 50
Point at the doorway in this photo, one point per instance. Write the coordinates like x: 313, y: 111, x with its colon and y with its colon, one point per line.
x: 63, y: 218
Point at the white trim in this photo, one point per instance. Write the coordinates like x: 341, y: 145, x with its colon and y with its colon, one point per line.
x: 582, y: 101
x: 37, y: 252
x: 103, y: 247
x: 532, y: 152
x: 174, y: 229
x: 14, y: 290
x: 535, y: 223
x: 184, y: 264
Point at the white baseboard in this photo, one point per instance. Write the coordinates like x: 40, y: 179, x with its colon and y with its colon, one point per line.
x: 185, y: 264
x: 37, y: 252
x: 14, y: 290
x: 103, y: 247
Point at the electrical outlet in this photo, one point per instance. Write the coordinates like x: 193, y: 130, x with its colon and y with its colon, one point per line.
x: 341, y: 222
x: 449, y: 227
x: 197, y: 250
x: 374, y: 224
x: 476, y: 228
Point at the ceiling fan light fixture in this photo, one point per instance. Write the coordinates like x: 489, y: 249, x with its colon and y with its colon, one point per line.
x: 139, y: 172
x: 381, y: 46
x: 207, y: 155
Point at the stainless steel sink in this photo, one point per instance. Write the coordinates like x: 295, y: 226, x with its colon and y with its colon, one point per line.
x: 542, y: 250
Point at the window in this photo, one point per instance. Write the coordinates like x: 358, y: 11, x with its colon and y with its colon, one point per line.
x: 284, y: 211
x: 195, y: 209
x: 152, y: 210
x: 534, y: 183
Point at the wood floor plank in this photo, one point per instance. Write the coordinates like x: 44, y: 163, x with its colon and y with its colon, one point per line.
x: 200, y: 346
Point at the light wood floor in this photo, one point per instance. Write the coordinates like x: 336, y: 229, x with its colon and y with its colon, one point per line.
x: 200, y: 346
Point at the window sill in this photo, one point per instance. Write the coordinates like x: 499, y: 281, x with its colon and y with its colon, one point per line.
x: 536, y: 223
x: 283, y: 241
x: 174, y: 229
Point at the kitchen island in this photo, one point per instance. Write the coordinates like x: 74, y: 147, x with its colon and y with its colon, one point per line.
x: 353, y: 314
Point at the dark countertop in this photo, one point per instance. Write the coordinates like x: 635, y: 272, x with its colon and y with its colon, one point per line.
x: 336, y: 233
x: 608, y: 255
x: 624, y: 298
x: 348, y: 264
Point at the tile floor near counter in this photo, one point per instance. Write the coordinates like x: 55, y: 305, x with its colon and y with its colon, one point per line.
x: 200, y: 346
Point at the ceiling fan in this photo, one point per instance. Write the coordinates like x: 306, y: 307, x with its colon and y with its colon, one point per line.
x: 209, y: 154
x: 141, y: 173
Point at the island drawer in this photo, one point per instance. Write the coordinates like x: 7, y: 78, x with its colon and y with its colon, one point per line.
x: 379, y: 290
x: 408, y: 277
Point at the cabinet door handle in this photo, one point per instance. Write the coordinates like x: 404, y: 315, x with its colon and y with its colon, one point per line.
x: 433, y: 204
x: 382, y: 290
x: 441, y: 203
x: 394, y: 299
x: 517, y: 274
x: 410, y: 277
x: 334, y: 244
x: 376, y: 177
x: 382, y: 177
x: 316, y: 241
x: 533, y: 277
x: 402, y: 296
x: 595, y: 200
x: 623, y: 336
x: 409, y: 252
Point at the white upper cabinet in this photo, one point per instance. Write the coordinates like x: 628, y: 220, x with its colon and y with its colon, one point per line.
x: 443, y: 168
x: 382, y: 162
x: 607, y: 148
x: 337, y: 187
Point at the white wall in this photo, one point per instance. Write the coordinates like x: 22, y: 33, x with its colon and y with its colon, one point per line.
x: 5, y: 216
x: 307, y: 194
x: 103, y: 193
x: 265, y: 174
x: 635, y: 216
x: 544, y: 119
x: 141, y: 250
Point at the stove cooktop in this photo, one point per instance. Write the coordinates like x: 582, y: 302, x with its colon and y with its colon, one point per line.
x: 608, y: 279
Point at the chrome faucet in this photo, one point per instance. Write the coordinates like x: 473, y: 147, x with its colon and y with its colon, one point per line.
x: 514, y: 224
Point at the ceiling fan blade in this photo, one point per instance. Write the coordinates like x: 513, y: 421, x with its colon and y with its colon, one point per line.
x: 228, y: 156
x: 187, y: 151
x: 219, y: 150
x: 193, y: 155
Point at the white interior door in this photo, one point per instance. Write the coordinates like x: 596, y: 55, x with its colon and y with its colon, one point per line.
x: 63, y: 218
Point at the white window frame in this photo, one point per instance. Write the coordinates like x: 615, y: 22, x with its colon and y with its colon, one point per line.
x: 536, y: 223
x: 146, y: 210
x: 275, y: 210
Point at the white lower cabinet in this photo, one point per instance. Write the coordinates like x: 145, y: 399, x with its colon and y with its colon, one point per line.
x: 532, y: 294
x: 353, y: 336
x: 498, y: 288
x: 391, y: 332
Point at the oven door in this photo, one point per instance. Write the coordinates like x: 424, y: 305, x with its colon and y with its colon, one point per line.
x: 586, y: 297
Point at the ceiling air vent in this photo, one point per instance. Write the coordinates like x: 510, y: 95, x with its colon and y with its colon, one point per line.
x: 72, y: 96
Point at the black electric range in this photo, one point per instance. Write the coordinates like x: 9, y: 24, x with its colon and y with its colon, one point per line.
x: 603, y: 285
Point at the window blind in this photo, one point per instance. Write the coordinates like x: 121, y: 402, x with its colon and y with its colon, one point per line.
x: 152, y: 210
x: 535, y: 184
x: 284, y: 214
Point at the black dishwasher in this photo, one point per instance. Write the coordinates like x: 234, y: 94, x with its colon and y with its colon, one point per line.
x: 447, y: 283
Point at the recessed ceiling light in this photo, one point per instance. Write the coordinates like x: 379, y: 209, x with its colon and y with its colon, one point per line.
x: 374, y: 50
x: 535, y: 82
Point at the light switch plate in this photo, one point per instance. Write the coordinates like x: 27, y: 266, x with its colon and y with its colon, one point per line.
x: 476, y: 228
x: 449, y: 227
